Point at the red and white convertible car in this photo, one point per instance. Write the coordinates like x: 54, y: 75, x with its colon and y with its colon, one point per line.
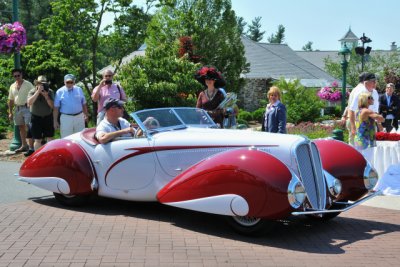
x: 182, y: 159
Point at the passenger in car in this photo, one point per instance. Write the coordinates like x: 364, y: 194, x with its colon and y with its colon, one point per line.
x: 113, y: 125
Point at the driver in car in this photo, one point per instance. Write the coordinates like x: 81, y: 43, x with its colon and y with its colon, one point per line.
x: 113, y: 125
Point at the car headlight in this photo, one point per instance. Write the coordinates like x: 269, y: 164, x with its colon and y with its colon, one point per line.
x: 296, y: 193
x: 334, y: 185
x: 370, y: 177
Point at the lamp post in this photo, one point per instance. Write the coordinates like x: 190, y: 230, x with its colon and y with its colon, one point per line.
x: 345, y: 54
x: 16, y: 142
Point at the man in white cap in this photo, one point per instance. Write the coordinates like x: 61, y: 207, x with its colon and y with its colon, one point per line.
x: 71, y: 103
x: 113, y: 125
x: 369, y: 86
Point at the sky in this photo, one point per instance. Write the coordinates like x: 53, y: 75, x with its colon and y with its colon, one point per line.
x: 324, y: 22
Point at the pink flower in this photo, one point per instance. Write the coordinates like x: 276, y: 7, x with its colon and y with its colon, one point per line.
x: 12, y: 37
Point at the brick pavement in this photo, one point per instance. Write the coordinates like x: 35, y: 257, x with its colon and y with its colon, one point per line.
x: 117, y: 233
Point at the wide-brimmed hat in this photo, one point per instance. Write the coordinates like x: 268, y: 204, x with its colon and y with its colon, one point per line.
x: 112, y: 102
x: 210, y: 73
x: 40, y: 79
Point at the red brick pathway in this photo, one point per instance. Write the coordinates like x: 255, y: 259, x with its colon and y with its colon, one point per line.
x: 117, y: 233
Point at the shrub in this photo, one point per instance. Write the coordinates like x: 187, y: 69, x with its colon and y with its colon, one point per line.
x: 245, y: 115
x: 258, y: 114
x: 302, y: 104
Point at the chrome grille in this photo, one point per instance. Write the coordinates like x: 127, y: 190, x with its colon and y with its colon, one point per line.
x: 311, y: 174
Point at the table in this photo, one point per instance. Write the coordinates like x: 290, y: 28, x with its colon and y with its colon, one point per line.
x: 385, y: 154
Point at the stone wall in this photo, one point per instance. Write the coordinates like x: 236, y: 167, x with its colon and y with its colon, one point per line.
x: 253, y: 91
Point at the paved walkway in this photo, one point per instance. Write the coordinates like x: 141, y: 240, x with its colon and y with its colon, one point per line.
x: 108, y: 232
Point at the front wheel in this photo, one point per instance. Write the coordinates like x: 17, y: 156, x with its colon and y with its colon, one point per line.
x: 252, y: 226
x: 71, y: 200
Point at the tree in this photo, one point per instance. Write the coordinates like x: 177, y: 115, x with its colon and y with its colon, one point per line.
x: 254, y: 32
x: 76, y: 44
x: 308, y: 46
x: 30, y: 13
x: 162, y: 75
x: 241, y: 24
x: 278, y: 37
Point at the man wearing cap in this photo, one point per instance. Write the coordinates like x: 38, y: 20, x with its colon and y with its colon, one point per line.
x: 71, y: 103
x: 17, y: 106
x: 389, y: 107
x: 105, y: 90
x: 369, y: 85
x: 113, y: 125
x: 41, y: 104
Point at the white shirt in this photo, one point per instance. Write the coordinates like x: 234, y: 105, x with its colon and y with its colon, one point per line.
x: 107, y: 127
x: 360, y: 88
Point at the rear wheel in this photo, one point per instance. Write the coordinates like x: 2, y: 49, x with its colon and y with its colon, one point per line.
x: 71, y: 200
x: 246, y: 225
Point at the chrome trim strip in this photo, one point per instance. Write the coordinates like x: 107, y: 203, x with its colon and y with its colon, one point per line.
x: 351, y: 205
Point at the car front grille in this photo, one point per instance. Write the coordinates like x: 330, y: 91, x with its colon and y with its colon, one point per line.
x: 311, y: 174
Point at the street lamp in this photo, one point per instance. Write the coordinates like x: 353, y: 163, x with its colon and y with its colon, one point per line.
x: 362, y: 51
x: 345, y: 54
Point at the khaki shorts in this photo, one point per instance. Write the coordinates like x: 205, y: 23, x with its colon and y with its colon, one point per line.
x: 22, y: 115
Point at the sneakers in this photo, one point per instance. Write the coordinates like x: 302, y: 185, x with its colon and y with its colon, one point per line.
x: 22, y: 149
x: 30, y: 152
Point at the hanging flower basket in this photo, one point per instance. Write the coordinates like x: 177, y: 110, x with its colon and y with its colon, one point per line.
x: 12, y: 38
x: 330, y: 93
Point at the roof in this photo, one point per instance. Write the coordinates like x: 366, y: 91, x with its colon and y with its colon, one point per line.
x: 279, y: 60
x: 350, y: 37
x: 317, y: 57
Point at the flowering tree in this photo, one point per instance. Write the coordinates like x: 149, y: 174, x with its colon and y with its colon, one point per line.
x: 330, y: 93
x: 12, y: 37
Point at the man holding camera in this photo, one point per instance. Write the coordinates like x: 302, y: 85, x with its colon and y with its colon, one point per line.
x: 41, y: 104
x: 106, y: 90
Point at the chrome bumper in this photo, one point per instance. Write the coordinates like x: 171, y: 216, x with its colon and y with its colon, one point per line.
x: 348, y: 205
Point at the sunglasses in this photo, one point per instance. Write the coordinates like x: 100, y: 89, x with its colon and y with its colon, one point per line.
x: 17, y: 75
x: 118, y: 107
x: 69, y: 82
x: 107, y: 76
x: 370, y: 97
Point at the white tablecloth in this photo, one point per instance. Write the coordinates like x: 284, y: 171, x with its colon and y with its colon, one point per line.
x: 385, y: 154
x: 385, y: 158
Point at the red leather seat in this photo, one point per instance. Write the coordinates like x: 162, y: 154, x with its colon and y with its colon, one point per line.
x: 88, y: 135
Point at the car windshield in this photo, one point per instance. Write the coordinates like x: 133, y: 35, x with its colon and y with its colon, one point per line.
x: 164, y: 119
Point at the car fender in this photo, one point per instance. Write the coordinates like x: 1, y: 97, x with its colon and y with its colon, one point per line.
x: 346, y: 164
x: 61, y: 166
x: 240, y: 182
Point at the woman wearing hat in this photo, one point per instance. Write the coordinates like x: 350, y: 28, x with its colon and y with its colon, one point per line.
x: 211, y: 97
x: 41, y: 104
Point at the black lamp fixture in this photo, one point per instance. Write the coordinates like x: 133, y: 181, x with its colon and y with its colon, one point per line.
x: 362, y: 51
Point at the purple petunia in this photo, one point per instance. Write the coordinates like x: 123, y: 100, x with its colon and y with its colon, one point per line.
x: 331, y: 94
x: 12, y: 37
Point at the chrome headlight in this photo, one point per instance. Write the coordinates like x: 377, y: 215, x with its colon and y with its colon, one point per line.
x: 296, y: 193
x: 370, y: 177
x: 334, y: 185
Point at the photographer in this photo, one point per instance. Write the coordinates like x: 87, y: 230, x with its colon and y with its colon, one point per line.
x: 106, y: 90
x: 41, y: 104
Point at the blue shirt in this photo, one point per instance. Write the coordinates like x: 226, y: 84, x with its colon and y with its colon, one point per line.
x: 70, y: 101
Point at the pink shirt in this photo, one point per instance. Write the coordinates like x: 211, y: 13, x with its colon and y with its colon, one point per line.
x: 108, y: 92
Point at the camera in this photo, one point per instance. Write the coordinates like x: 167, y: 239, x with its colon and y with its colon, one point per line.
x: 108, y: 82
x: 45, y: 87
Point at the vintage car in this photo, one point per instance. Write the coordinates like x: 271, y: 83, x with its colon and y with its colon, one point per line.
x: 179, y: 157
